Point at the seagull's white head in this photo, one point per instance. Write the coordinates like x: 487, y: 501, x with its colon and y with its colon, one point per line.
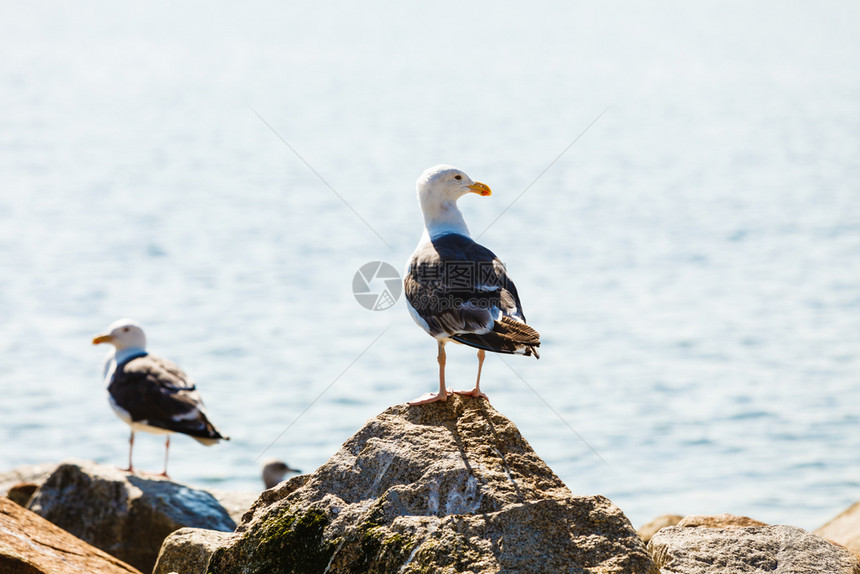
x: 439, y: 188
x: 123, y: 334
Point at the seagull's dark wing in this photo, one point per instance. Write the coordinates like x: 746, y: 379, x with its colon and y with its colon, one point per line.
x: 156, y: 392
x: 460, y: 290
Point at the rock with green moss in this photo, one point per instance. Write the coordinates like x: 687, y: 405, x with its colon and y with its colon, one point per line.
x: 444, y: 487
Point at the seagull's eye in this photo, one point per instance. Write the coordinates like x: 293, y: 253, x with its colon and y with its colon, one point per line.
x: 125, y: 329
x: 458, y: 177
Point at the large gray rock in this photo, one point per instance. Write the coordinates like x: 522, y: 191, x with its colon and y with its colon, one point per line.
x: 748, y: 550
x: 17, y: 483
x: 444, y: 487
x: 126, y: 515
x: 29, y: 544
x: 844, y: 529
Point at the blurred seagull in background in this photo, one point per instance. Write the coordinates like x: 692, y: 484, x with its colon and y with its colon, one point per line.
x: 151, y: 394
x: 456, y: 289
x: 275, y: 471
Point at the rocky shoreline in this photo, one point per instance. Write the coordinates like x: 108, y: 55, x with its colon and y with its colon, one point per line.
x: 445, y: 487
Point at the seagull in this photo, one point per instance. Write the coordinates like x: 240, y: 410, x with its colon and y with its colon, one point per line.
x: 456, y: 289
x: 274, y: 472
x: 149, y: 393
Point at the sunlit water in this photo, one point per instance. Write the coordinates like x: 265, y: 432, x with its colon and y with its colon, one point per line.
x: 691, y: 261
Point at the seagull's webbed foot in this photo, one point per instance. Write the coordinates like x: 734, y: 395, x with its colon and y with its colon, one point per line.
x: 427, y: 398
x: 476, y: 392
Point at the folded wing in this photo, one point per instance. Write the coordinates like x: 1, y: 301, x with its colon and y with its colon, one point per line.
x: 458, y: 289
x: 157, y: 393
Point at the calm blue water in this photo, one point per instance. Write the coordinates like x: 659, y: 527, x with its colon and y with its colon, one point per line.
x: 691, y: 261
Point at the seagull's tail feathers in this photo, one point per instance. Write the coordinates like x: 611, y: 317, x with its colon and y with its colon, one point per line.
x: 202, y: 430
x: 508, y: 336
x: 211, y: 435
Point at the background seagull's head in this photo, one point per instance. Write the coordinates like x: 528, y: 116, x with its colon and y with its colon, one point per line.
x: 123, y: 334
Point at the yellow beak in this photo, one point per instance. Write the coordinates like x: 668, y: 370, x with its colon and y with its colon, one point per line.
x: 481, y: 189
x: 102, y: 339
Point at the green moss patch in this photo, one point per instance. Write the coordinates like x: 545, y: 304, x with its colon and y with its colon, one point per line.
x: 287, y: 542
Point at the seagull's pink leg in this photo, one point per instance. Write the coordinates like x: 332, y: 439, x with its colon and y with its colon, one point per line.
x: 130, y: 448
x: 166, y: 449
x: 476, y: 392
x: 443, y: 393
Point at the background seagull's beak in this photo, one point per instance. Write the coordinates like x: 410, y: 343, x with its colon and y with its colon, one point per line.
x: 102, y: 339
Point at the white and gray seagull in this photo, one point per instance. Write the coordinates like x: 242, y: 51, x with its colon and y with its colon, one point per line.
x: 151, y: 394
x: 456, y: 289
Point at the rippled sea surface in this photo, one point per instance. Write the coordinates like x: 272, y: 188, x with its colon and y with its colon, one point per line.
x: 692, y: 260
